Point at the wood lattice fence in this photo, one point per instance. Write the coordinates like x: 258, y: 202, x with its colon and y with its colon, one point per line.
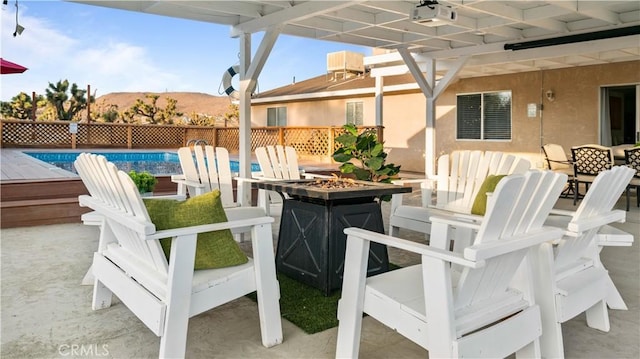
x: 309, y: 142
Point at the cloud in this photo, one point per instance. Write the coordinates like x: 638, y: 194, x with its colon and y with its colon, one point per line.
x: 50, y: 54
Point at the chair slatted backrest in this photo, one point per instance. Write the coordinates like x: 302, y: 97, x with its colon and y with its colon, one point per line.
x: 461, y: 174
x: 211, y: 167
x: 599, y: 201
x: 114, y: 190
x: 520, y: 205
x: 591, y: 159
x: 556, y: 157
x: 632, y: 159
x: 457, y: 176
x: 278, y: 161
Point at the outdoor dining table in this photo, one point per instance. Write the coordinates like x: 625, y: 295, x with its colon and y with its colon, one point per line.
x: 311, y: 242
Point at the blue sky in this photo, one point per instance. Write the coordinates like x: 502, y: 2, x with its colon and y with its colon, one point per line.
x: 122, y: 51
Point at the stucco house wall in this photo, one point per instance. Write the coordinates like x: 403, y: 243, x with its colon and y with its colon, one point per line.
x: 571, y: 119
x: 329, y: 112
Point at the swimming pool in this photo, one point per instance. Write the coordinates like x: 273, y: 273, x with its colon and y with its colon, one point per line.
x: 157, y: 163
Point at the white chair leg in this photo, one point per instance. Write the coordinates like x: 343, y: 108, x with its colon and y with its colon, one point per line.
x: 173, y: 343
x: 614, y: 299
x: 263, y: 201
x: 598, y: 317
x: 394, y: 231
x: 88, y: 277
x: 551, y: 343
x: 351, y: 304
x: 268, y: 291
x: 532, y: 350
x: 101, y: 296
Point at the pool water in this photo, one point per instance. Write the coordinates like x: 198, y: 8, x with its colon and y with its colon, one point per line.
x: 156, y: 163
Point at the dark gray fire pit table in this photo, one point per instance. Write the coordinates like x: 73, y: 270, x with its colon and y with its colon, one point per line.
x: 311, y: 242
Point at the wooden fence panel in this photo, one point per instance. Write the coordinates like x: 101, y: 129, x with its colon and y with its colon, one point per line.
x: 313, y: 142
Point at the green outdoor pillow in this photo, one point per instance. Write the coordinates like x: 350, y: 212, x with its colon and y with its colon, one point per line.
x: 214, y: 249
x: 488, y: 186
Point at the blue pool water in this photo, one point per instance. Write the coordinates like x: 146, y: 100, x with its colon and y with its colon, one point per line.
x: 157, y: 163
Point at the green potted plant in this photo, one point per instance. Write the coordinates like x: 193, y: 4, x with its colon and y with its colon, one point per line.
x: 145, y: 181
x: 363, y: 156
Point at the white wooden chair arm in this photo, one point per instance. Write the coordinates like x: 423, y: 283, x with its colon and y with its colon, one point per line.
x: 455, y: 221
x: 468, y: 217
x: 410, y: 246
x: 92, y: 218
x: 177, y: 232
x: 177, y: 178
x: 314, y: 175
x: 491, y: 249
x: 116, y: 215
x: 260, y: 178
x: 188, y: 183
x: 397, y: 198
x: 586, y: 224
x: 244, y: 179
x: 402, y: 182
x: 177, y: 197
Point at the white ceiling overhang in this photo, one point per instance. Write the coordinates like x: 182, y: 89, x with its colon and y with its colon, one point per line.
x: 481, y: 31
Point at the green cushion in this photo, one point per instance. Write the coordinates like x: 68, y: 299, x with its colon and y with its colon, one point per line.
x: 488, y: 186
x: 214, y: 249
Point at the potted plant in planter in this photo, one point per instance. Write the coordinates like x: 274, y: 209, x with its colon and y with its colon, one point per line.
x: 145, y: 181
x: 368, y: 154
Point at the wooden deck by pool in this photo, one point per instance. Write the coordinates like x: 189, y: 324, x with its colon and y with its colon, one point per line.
x: 15, y: 166
x: 33, y: 192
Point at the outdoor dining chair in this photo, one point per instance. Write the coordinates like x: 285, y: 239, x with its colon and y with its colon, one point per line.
x: 632, y: 160
x: 588, y: 162
x: 557, y: 161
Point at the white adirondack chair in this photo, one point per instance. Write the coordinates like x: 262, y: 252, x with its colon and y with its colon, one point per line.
x: 209, y: 170
x: 130, y: 262
x: 278, y: 163
x: 570, y: 279
x: 458, y: 303
x: 459, y: 177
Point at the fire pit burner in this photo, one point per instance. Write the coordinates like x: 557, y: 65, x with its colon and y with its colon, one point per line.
x: 333, y: 183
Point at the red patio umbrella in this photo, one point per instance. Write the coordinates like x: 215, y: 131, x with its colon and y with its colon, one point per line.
x: 8, y: 67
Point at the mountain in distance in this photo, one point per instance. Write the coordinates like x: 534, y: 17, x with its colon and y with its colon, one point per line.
x: 188, y: 102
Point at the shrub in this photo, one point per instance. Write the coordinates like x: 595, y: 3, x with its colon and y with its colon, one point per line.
x: 368, y: 154
x: 145, y: 181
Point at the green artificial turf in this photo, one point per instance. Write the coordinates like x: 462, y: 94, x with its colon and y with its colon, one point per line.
x: 306, y: 306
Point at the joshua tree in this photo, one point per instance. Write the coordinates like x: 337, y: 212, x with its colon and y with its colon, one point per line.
x: 105, y: 112
x: 153, y: 113
x: 21, y: 106
x: 232, y: 114
x: 58, y: 96
x: 200, y: 119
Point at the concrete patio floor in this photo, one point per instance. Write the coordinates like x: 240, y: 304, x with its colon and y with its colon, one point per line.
x: 46, y: 313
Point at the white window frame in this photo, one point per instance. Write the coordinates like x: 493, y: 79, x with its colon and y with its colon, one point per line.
x: 280, y: 111
x: 355, y: 104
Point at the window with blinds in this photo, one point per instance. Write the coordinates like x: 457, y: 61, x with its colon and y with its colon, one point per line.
x: 484, y: 116
x: 355, y: 113
x: 276, y: 116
